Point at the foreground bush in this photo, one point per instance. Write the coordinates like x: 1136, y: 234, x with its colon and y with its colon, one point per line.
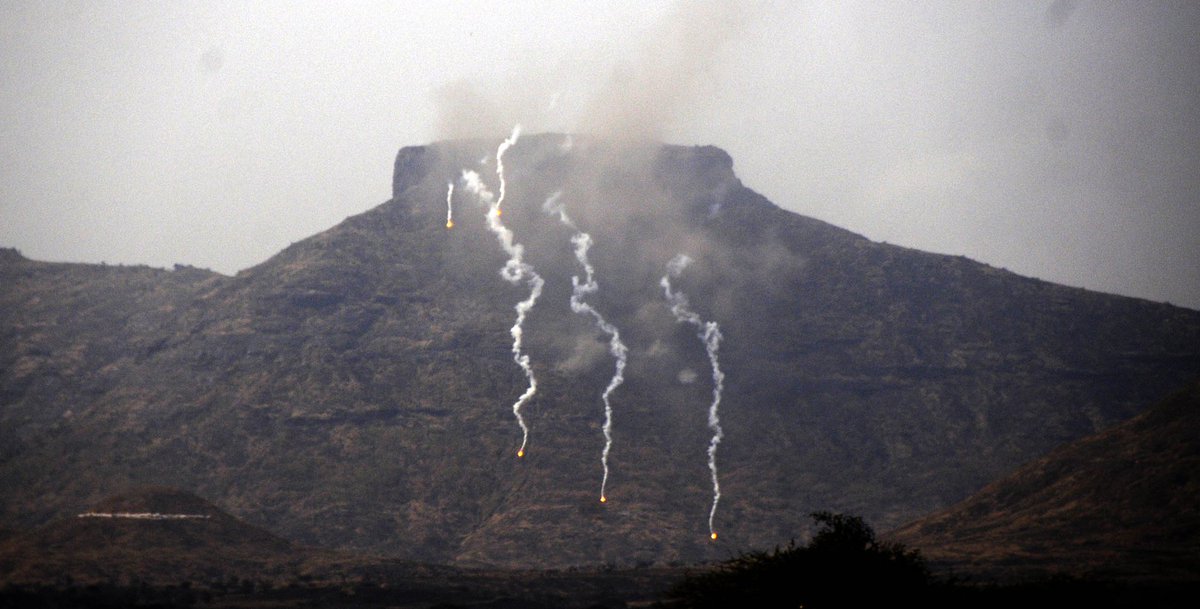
x: 843, y: 566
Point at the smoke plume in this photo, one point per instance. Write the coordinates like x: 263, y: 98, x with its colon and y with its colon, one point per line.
x: 629, y: 90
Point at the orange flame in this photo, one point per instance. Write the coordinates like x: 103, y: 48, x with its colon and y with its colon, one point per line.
x: 603, y: 499
x: 520, y: 453
x: 714, y: 536
x: 449, y: 223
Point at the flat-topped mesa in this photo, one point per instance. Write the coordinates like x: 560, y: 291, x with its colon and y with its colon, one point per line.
x: 707, y: 166
x: 701, y: 178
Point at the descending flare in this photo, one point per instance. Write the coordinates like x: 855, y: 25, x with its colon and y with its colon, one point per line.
x: 450, y: 205
x: 514, y: 271
x: 582, y: 242
x: 710, y: 334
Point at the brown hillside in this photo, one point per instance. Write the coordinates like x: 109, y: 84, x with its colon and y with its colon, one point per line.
x: 1124, y: 503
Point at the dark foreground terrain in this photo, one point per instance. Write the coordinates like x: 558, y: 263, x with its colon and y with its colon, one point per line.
x: 771, y: 580
x: 593, y: 591
x: 385, y: 586
x: 138, y: 550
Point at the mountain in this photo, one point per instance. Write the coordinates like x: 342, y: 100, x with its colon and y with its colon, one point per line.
x: 355, y: 390
x: 1124, y: 503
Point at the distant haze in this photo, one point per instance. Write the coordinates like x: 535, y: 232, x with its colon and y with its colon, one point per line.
x: 1058, y: 139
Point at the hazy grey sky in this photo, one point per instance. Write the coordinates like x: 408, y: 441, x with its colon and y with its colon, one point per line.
x: 1058, y: 139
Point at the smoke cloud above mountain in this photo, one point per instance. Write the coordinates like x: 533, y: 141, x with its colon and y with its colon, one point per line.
x: 642, y: 96
x: 640, y: 93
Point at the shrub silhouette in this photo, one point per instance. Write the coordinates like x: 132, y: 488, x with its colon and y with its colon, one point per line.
x: 844, y: 565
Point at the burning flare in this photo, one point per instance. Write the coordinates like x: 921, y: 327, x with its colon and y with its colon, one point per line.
x: 450, y: 205
x: 583, y: 242
x: 710, y: 334
x: 515, y: 271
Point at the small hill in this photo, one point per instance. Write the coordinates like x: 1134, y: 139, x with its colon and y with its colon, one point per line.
x: 153, y: 535
x: 1122, y: 504
x: 155, y: 546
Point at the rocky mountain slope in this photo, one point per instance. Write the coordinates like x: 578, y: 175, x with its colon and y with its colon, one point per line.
x: 355, y: 390
x: 1124, y: 503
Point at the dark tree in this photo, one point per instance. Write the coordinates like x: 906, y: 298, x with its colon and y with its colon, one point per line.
x: 844, y: 565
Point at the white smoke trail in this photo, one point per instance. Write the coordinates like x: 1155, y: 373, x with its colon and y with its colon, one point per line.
x: 710, y: 333
x: 143, y: 516
x: 583, y: 242
x: 504, y: 146
x: 514, y: 271
x: 450, y: 205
